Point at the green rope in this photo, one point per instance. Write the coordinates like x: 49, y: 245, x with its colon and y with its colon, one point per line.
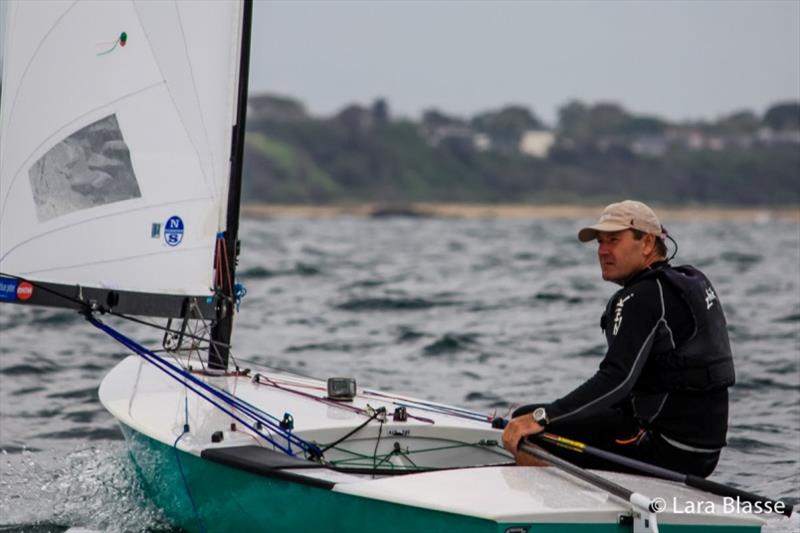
x: 369, y: 460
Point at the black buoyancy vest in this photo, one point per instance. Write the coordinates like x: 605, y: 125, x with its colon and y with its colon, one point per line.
x: 704, y: 361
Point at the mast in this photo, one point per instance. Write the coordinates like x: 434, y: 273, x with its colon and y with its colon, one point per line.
x: 223, y: 327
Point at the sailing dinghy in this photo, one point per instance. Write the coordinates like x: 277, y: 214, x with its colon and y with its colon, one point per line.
x: 120, y: 169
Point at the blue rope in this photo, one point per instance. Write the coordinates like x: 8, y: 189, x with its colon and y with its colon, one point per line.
x: 183, y: 376
x: 183, y: 476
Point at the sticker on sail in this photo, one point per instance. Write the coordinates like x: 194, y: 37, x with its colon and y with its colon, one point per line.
x: 8, y: 289
x: 12, y: 289
x: 173, y: 231
x: 24, y: 290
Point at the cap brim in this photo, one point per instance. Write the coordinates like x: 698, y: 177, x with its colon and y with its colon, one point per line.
x: 590, y: 233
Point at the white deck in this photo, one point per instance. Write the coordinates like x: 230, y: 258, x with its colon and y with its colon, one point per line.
x: 531, y: 494
x: 148, y: 401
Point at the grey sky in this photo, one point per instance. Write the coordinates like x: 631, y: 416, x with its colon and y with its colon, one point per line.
x: 679, y: 60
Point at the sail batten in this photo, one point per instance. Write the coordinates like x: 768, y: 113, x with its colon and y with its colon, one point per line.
x: 115, y: 142
x: 107, y: 216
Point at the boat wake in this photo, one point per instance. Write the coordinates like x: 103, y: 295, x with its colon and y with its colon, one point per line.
x: 782, y: 524
x: 91, y: 489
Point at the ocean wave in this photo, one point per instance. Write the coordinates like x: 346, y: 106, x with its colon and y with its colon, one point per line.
x: 391, y: 304
x: 260, y: 272
x: 450, y: 343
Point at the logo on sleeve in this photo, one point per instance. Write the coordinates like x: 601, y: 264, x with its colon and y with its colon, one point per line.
x: 618, y: 313
x: 710, y: 298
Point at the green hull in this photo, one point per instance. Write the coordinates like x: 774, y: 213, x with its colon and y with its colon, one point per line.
x: 232, y: 500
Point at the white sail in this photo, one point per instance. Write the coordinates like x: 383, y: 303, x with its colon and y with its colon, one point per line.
x: 115, y: 140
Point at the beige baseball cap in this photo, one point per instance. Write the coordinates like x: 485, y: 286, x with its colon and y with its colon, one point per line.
x: 628, y: 214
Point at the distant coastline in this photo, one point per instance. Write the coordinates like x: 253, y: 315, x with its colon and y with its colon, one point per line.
x: 509, y: 211
x: 597, y: 152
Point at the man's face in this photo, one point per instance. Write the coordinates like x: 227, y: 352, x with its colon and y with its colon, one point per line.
x: 621, y: 255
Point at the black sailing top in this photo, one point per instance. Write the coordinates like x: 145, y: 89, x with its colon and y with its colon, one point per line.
x: 651, y: 324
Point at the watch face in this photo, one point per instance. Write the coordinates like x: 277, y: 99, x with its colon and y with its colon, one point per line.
x: 539, y: 415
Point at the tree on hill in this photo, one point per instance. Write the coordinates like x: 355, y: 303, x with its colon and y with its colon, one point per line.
x: 740, y: 122
x: 783, y: 116
x: 272, y: 107
x: 380, y: 111
x: 433, y: 118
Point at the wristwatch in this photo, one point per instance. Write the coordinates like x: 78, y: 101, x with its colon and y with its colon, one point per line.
x: 540, y: 416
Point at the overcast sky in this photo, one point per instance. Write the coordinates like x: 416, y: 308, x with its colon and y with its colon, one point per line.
x: 677, y: 59
x: 680, y: 60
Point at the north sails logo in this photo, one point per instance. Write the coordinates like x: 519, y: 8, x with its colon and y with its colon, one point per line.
x: 173, y: 231
x: 710, y: 297
x: 618, y: 313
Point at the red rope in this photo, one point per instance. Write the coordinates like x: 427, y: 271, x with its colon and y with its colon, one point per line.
x: 227, y: 266
x: 218, y: 265
x: 272, y: 383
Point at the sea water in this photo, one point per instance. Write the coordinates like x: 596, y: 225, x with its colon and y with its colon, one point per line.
x: 484, y: 314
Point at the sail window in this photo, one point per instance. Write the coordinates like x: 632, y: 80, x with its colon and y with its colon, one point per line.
x: 91, y: 167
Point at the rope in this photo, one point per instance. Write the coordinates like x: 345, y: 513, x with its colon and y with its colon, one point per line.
x: 180, y: 466
x: 353, y: 432
x: 185, y: 377
x: 185, y: 483
x: 377, y: 443
x: 227, y: 265
x: 398, y: 451
x: 394, y: 400
x: 371, y: 458
x: 272, y: 383
x: 223, y: 272
x: 444, y: 409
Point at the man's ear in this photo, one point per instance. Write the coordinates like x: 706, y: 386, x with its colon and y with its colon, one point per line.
x: 649, y: 244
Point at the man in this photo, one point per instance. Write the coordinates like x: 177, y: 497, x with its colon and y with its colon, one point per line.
x: 660, y: 394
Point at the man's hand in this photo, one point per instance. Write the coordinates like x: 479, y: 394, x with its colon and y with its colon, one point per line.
x: 516, y: 430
